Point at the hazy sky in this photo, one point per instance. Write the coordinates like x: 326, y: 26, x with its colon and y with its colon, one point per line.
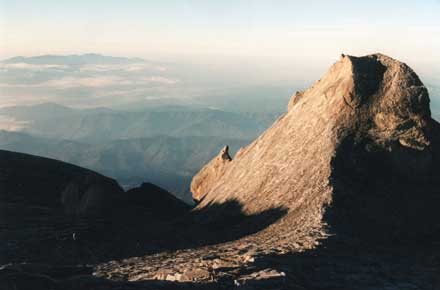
x: 280, y: 32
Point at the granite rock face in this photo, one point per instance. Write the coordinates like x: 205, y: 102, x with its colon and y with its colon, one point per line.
x: 359, y: 147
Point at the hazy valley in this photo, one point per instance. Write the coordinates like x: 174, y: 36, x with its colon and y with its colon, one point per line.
x: 161, y: 139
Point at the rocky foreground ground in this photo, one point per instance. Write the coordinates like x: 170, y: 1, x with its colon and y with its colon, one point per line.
x: 245, y: 265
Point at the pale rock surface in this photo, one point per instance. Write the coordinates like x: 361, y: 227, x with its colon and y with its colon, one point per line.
x: 362, y: 110
x: 209, y: 174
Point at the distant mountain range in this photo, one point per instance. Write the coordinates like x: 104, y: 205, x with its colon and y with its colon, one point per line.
x: 434, y: 92
x: 169, y: 162
x: 99, y: 125
x: 165, y: 146
x: 147, y: 120
x: 74, y: 59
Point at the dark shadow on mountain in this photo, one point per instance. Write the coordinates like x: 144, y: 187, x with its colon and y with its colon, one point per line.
x: 222, y: 222
x: 346, y: 265
x: 59, y: 263
x: 141, y: 233
x: 384, y: 196
x: 55, y: 212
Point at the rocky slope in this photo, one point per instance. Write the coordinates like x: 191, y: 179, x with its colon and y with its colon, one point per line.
x: 357, y: 152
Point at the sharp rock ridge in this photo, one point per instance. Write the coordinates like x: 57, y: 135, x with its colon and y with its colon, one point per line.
x: 362, y: 135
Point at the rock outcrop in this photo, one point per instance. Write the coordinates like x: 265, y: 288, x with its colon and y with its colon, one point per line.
x: 153, y: 201
x: 358, y: 152
x: 69, y: 189
x: 209, y: 174
x: 90, y: 194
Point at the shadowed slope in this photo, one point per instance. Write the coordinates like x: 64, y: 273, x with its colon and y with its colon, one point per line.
x: 53, y: 211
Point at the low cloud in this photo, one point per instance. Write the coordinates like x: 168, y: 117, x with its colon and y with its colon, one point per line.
x: 10, y: 124
x: 160, y: 80
x: 136, y: 67
x: 32, y: 67
x: 95, y: 82
x: 73, y: 82
x: 78, y: 84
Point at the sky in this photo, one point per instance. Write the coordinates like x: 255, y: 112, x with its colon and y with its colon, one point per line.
x: 228, y: 30
x: 207, y: 46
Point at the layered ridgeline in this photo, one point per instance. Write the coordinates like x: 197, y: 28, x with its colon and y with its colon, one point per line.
x: 101, y: 125
x: 356, y: 154
x: 169, y: 162
x: 164, y: 145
